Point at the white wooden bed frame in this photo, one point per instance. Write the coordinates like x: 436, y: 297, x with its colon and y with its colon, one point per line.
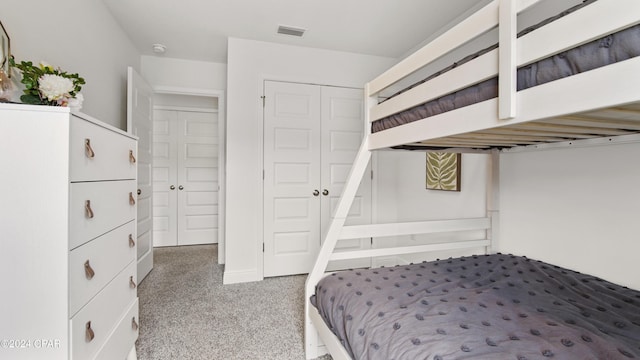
x: 597, y: 104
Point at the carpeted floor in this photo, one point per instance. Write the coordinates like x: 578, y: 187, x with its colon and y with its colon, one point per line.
x: 186, y: 312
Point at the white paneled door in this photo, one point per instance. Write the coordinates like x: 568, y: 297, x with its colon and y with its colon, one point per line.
x: 140, y: 124
x: 311, y: 136
x: 342, y: 132
x: 291, y: 177
x: 165, y: 177
x: 185, y: 169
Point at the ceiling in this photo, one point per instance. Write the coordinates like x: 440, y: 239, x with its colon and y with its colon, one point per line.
x: 199, y: 29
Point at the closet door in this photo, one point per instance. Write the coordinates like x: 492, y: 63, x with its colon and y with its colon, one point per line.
x: 165, y: 178
x: 197, y: 178
x: 342, y: 132
x: 185, y: 178
x: 291, y: 177
x: 311, y: 136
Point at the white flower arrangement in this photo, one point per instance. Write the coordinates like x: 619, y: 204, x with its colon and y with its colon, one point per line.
x: 54, y: 87
x: 46, y: 85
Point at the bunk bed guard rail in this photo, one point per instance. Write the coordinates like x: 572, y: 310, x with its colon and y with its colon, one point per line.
x: 497, y: 12
x: 603, y: 16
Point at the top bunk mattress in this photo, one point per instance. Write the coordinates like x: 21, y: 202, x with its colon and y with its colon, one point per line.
x: 620, y: 46
x: 480, y: 307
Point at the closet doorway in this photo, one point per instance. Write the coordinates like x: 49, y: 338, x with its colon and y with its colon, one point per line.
x: 312, y: 134
x: 186, y: 167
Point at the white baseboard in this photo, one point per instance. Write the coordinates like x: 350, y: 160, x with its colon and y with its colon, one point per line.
x: 236, y: 277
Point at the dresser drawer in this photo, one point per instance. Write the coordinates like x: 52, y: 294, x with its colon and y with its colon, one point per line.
x: 98, y: 207
x: 94, y: 323
x: 123, y: 337
x: 94, y: 264
x: 97, y: 153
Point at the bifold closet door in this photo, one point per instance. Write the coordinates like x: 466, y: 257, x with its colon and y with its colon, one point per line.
x: 165, y: 160
x: 311, y: 136
x: 185, y: 166
x: 342, y: 112
x: 197, y: 178
x: 291, y: 177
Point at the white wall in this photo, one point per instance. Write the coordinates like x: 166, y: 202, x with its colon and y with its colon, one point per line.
x: 178, y: 73
x: 417, y: 203
x: 411, y: 201
x: 576, y: 208
x: 249, y: 64
x: 79, y: 36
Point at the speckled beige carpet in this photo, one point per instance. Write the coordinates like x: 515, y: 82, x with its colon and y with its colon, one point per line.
x: 186, y: 312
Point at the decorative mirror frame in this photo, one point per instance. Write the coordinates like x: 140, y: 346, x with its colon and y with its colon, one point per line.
x: 5, y: 54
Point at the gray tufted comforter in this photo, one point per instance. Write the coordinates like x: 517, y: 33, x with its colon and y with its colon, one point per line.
x: 480, y: 307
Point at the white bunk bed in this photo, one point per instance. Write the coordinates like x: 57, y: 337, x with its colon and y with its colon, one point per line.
x: 592, y: 106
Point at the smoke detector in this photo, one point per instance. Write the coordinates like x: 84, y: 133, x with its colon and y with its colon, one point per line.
x: 290, y: 30
x: 159, y: 48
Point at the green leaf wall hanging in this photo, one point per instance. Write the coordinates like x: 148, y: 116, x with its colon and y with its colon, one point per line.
x: 443, y: 171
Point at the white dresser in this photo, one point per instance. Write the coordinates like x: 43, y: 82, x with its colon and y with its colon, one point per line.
x: 67, y: 236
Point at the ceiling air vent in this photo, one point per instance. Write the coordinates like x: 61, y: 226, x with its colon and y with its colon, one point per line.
x: 289, y: 30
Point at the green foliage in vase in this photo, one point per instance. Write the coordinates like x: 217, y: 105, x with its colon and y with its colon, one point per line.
x: 46, y: 85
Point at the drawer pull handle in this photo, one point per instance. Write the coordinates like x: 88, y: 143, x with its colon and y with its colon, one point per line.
x: 90, y: 333
x: 88, y: 270
x: 88, y: 210
x: 134, y: 324
x: 132, y: 243
x: 132, y: 158
x: 132, y: 200
x: 88, y: 150
x: 132, y: 284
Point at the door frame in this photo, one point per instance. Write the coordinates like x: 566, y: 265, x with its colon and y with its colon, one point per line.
x: 260, y: 127
x: 222, y: 121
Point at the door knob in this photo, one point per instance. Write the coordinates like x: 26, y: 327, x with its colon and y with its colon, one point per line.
x: 180, y: 187
x: 325, y: 192
x: 172, y: 187
x: 316, y: 192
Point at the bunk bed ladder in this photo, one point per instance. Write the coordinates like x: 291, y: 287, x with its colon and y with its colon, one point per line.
x: 333, y: 234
